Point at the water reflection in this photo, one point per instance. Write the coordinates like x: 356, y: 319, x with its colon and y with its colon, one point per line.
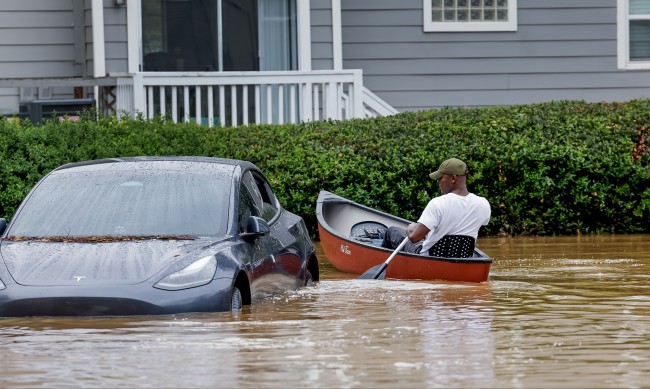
x: 556, y: 312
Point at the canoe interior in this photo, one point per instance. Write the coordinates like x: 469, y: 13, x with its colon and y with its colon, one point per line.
x: 341, y: 217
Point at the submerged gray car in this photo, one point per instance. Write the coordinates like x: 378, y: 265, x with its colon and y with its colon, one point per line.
x: 150, y: 236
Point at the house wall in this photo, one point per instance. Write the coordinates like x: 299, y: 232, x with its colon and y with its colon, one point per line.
x: 52, y: 26
x: 321, y: 35
x: 562, y: 49
x: 37, y: 39
x: 54, y: 38
x: 115, y: 37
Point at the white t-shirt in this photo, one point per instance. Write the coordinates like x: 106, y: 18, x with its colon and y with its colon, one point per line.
x: 452, y: 214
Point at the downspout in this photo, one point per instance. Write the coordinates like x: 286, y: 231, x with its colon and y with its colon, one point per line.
x: 79, y: 38
x: 622, y: 34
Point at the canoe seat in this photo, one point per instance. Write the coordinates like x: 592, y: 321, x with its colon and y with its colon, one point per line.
x: 369, y: 232
x: 453, y: 246
x: 368, y: 229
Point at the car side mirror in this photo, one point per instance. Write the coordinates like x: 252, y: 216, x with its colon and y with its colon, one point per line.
x: 255, y: 227
x: 3, y: 225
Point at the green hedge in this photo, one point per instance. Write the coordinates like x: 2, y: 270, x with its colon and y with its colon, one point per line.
x: 560, y: 168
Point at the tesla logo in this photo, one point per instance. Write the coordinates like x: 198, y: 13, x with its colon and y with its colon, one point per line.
x: 345, y: 249
x: 79, y: 278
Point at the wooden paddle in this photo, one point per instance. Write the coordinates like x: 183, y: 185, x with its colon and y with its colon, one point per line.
x: 379, y: 272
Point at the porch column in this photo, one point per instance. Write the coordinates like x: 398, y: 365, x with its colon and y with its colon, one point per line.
x: 304, y: 34
x: 99, y: 54
x: 134, y: 34
x: 337, y: 39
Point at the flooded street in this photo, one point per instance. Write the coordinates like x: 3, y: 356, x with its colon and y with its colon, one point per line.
x: 569, y: 312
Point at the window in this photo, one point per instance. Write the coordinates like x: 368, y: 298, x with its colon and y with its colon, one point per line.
x: 222, y: 35
x: 250, y: 201
x: 219, y: 35
x: 270, y: 208
x: 470, y: 15
x: 258, y: 198
x: 634, y: 34
x: 265, y: 200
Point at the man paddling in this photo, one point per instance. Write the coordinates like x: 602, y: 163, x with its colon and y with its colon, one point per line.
x: 455, y: 212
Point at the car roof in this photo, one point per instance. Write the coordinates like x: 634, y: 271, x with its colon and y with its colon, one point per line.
x: 157, y: 160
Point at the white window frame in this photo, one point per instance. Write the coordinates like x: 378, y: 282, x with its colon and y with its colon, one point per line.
x: 623, y: 38
x: 431, y: 26
x: 134, y: 40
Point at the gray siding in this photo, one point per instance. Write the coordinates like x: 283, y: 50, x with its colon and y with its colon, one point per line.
x: 321, y: 35
x: 115, y: 37
x: 563, y: 49
x: 53, y: 38
x: 37, y: 39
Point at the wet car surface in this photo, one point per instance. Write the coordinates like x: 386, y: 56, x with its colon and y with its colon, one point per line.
x: 150, y: 235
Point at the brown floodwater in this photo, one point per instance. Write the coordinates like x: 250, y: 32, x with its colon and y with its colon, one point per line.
x: 567, y: 312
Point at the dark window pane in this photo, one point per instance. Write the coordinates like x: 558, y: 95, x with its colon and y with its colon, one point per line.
x: 179, y: 35
x: 450, y: 16
x: 183, y: 35
x: 240, y: 35
x: 640, y: 40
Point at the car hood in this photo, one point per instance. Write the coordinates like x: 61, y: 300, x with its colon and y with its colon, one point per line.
x: 122, y: 262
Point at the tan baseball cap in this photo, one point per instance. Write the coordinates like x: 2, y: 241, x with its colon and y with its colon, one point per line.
x: 452, y: 167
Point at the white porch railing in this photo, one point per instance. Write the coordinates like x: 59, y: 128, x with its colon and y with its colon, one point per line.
x: 374, y: 106
x: 241, y: 98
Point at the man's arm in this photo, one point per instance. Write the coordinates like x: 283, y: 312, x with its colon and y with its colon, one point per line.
x: 416, y: 232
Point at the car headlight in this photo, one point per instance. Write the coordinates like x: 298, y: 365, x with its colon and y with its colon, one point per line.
x: 196, y: 274
x: 2, y: 285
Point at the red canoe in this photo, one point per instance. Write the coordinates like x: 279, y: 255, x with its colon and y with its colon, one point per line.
x: 349, y: 237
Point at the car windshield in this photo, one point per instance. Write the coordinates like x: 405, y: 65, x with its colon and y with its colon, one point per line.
x: 126, y: 203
